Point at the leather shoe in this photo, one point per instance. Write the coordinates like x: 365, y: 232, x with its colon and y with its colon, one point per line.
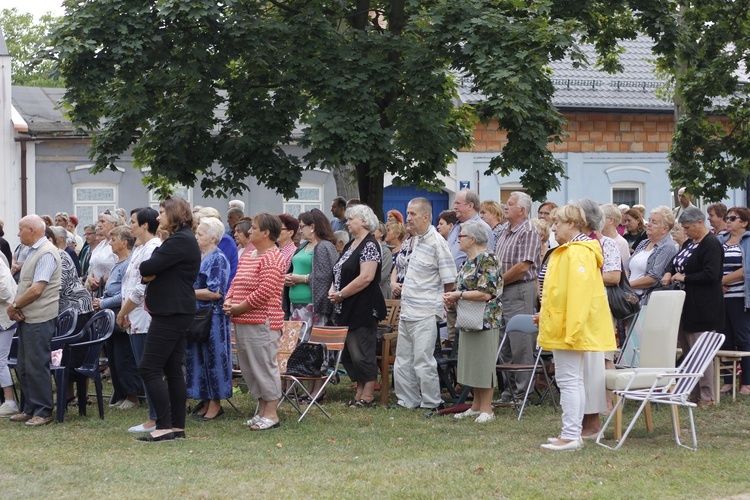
x: 20, y: 417
x: 179, y: 434
x: 208, y: 419
x: 38, y: 421
x: 569, y: 446
x: 706, y: 404
x: 169, y: 436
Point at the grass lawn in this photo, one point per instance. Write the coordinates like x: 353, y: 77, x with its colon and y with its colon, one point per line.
x: 370, y: 453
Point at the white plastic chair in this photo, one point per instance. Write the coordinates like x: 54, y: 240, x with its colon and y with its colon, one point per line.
x: 657, y: 349
x: 671, y: 386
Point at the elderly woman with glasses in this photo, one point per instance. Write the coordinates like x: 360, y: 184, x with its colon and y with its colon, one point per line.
x: 479, y: 279
x: 652, y: 257
x: 358, y: 301
x: 102, y: 258
x: 736, y: 286
x: 697, y: 267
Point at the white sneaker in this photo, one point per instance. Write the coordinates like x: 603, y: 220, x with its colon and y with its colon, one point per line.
x: 140, y: 428
x: 467, y: 413
x: 485, y: 417
x: 8, y: 408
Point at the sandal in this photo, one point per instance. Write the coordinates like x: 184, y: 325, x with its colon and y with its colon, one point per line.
x: 365, y: 404
x: 352, y: 403
x: 253, y: 420
x: 264, y: 424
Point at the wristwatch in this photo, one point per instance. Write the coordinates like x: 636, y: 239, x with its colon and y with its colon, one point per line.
x: 14, y: 305
x: 341, y: 294
x: 461, y: 295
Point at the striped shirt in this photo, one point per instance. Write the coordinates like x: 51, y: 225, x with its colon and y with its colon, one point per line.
x: 520, y: 244
x: 45, y: 266
x: 259, y: 281
x: 732, y: 262
x: 431, y: 267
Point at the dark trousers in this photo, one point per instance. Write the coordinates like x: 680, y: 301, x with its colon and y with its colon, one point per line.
x: 164, y: 356
x: 359, y: 358
x: 122, y: 366
x: 33, y: 366
x: 737, y: 330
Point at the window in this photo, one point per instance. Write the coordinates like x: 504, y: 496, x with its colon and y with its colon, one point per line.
x: 89, y: 200
x: 627, y: 193
x: 308, y: 196
x: 183, y: 192
x: 507, y: 189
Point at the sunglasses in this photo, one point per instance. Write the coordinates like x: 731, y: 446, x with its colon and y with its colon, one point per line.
x: 61, y: 214
x: 731, y: 218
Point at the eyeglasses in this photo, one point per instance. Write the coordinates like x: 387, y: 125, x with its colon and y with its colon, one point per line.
x: 303, y: 226
x: 542, y: 213
x: 731, y: 218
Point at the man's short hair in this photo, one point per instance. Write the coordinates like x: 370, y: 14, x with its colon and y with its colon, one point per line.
x: 237, y: 204
x: 424, y: 205
x: 237, y: 212
x: 524, y: 201
x: 718, y: 208
x: 340, y: 201
x: 471, y: 197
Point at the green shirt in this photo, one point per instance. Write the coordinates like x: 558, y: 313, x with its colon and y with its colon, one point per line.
x: 301, y: 293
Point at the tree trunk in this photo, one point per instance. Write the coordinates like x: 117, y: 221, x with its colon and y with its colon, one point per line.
x: 346, y: 181
x: 371, y: 188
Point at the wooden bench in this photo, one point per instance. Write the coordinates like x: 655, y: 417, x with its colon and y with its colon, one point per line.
x: 724, y: 363
x: 387, y: 355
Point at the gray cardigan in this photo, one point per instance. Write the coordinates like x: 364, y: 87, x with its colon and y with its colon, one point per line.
x: 324, y: 257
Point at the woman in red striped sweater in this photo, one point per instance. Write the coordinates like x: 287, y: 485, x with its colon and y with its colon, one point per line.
x: 254, y: 302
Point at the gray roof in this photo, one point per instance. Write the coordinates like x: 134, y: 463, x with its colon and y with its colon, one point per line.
x: 40, y: 109
x: 590, y: 88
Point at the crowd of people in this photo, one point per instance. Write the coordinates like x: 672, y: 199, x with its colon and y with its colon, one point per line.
x: 154, y: 269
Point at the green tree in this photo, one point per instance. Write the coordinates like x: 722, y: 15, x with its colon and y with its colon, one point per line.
x: 370, y: 81
x: 26, y: 41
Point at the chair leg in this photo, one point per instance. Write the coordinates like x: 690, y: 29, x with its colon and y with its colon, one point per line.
x: 99, y: 395
x: 385, y: 380
x: 232, y: 405
x: 61, y: 380
x: 618, y: 417
x: 649, y: 418
x: 676, y: 419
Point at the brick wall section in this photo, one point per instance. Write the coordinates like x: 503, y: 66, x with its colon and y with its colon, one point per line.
x: 596, y: 132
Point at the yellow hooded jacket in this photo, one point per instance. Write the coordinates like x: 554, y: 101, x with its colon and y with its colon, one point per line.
x: 575, y: 312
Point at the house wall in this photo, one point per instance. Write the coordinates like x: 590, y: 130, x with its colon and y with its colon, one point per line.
x: 60, y: 165
x: 602, y: 151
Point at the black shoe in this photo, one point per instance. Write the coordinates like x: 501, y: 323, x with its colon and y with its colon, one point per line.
x: 199, y: 407
x: 204, y: 418
x: 179, y: 434
x: 148, y: 438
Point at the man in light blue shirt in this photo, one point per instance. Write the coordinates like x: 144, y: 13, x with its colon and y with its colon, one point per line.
x: 466, y: 205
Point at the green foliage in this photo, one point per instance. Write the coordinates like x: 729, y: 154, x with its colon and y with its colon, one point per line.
x: 369, y: 81
x: 705, y: 48
x: 27, y: 42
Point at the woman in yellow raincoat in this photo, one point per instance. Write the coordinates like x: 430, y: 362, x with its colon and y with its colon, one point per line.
x: 574, y: 317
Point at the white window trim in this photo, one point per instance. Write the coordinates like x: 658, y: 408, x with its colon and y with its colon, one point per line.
x: 306, y: 185
x: 638, y: 186
x: 93, y: 185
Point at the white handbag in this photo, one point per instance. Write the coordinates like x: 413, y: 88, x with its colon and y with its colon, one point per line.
x: 470, y: 315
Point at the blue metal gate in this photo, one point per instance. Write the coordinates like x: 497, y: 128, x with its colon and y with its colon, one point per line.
x: 399, y: 198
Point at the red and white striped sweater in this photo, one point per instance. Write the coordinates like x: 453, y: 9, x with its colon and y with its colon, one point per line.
x: 259, y: 281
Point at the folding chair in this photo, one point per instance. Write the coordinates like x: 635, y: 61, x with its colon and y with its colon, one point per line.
x: 671, y: 386
x: 524, y: 323
x: 334, y: 338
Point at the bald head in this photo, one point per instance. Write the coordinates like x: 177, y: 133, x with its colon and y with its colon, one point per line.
x: 31, y: 229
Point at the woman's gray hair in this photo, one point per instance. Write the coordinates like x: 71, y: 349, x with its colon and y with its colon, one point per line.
x: 592, y: 210
x: 366, y: 214
x: 214, y: 228
x: 60, y: 232
x: 475, y: 229
x: 666, y: 214
x: 692, y: 215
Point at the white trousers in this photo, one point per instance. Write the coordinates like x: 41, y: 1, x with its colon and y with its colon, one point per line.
x: 6, y: 337
x: 594, y: 382
x: 569, y: 376
x: 415, y: 370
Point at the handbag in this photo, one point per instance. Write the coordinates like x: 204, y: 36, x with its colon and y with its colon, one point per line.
x: 623, y: 301
x: 200, y: 329
x: 309, y: 359
x: 470, y: 315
